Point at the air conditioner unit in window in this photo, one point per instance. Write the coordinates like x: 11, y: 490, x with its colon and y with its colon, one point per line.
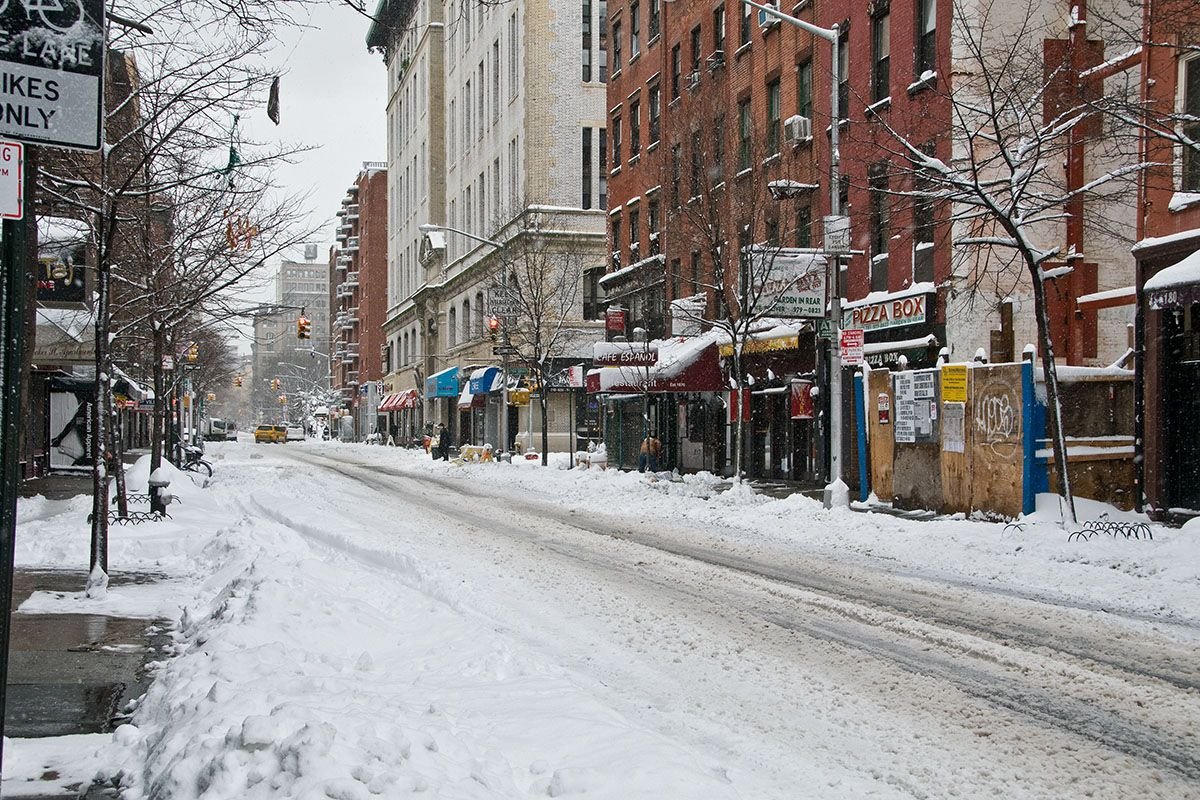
x: 717, y: 59
x: 797, y: 129
x: 694, y: 79
x: 766, y: 20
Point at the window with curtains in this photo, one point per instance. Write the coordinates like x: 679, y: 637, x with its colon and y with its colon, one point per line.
x: 881, y: 56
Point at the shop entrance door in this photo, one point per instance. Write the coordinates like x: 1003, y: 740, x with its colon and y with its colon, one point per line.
x: 1182, y: 407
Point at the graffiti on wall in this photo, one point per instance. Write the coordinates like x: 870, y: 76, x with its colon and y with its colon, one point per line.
x: 998, y: 418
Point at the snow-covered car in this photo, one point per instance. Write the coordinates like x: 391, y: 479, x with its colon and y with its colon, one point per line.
x: 295, y: 433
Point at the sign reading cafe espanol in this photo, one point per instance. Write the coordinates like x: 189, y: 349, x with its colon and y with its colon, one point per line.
x: 51, y: 71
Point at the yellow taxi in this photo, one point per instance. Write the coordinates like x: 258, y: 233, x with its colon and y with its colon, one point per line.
x: 270, y: 433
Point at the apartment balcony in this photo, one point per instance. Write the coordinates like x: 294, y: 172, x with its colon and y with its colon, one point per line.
x: 345, y: 322
x: 352, y: 315
x: 352, y: 378
x: 352, y: 211
x: 351, y: 278
x: 352, y: 244
x: 345, y: 230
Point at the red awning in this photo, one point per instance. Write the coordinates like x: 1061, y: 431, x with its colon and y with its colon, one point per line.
x: 696, y: 371
x: 399, y: 401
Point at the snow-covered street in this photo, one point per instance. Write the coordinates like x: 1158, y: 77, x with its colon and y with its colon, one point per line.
x: 363, y: 621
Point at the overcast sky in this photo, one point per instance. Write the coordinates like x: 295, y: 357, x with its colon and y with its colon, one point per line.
x: 332, y: 96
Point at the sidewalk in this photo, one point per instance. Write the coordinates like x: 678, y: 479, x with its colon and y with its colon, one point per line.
x: 70, y: 673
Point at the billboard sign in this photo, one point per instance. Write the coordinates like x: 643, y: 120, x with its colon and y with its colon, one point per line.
x: 52, y: 72
x: 791, y: 283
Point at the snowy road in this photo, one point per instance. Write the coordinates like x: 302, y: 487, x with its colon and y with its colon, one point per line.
x: 794, y: 669
x: 361, y: 622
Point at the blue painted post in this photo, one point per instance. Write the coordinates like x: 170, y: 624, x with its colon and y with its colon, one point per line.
x: 1029, y: 465
x: 861, y: 415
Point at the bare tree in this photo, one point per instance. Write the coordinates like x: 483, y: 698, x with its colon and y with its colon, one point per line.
x: 172, y: 92
x: 541, y: 267
x: 1016, y: 121
x: 732, y: 198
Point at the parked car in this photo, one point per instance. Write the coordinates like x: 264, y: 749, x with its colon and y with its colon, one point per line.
x: 295, y: 433
x: 270, y: 433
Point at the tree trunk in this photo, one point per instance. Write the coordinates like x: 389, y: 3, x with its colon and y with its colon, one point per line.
x: 739, y: 429
x: 98, y: 562
x: 118, y: 462
x: 158, y: 416
x: 1059, y: 441
x: 544, y: 391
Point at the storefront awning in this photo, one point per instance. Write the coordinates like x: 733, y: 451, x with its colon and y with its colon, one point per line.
x: 442, y: 384
x: 468, y: 399
x: 399, y: 401
x: 683, y: 365
x: 485, y: 380
x: 1177, y: 285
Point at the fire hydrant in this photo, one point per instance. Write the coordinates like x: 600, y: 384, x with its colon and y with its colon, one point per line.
x: 159, y: 498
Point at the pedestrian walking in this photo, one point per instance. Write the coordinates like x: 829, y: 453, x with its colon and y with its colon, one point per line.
x: 443, y: 442
x: 651, y: 451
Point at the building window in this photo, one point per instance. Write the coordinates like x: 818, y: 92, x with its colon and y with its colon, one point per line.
x: 468, y: 332
x: 676, y: 168
x: 744, y: 27
x: 478, y: 320
x: 615, y: 127
x: 616, y: 47
x: 635, y: 236
x: 676, y: 68
x: 718, y: 151
x: 586, y: 171
x: 718, y: 34
x: 923, y: 225
x: 744, y: 129
x: 695, y: 272
x: 1191, y: 129
x: 635, y: 128
x: 496, y: 81
x: 615, y: 241
x: 603, y: 149
x: 696, y: 54
x: 844, y: 76
x: 452, y: 327
x: 804, y: 104
x: 804, y: 226
x: 655, y: 18
x: 675, y: 278
x: 586, y: 56
x: 881, y: 45
x: 694, y: 184
x: 773, y: 233
x: 654, y: 110
x: 880, y: 227
x: 603, y: 43
x: 926, y: 36
x: 593, y: 298
x: 653, y: 223
x: 635, y: 30
x: 773, y: 118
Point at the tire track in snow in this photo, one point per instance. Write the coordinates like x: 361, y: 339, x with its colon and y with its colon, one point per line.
x: 856, y: 615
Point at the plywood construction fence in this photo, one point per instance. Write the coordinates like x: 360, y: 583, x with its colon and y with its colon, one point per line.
x: 971, y: 438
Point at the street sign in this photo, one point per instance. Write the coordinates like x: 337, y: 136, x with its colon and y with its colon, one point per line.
x: 852, y: 346
x: 11, y: 190
x: 825, y: 329
x: 504, y: 350
x: 52, y: 72
x: 504, y: 301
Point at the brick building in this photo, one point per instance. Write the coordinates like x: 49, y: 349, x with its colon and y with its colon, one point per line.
x: 720, y: 112
x: 358, y: 282
x: 1168, y: 264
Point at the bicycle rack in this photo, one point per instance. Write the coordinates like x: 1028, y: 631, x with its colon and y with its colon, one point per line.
x: 1114, y: 528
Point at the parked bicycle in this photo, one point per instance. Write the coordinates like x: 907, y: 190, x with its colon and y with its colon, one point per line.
x: 193, y: 461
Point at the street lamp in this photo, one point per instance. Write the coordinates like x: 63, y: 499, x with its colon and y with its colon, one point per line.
x: 835, y: 229
x: 428, y: 228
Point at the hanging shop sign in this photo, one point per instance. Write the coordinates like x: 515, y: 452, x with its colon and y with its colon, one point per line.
x: 791, y: 283
x: 802, y: 400
x: 635, y: 356
x: 887, y: 314
x: 614, y: 320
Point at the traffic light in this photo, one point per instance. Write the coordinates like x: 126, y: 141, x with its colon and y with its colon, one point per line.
x: 304, y: 328
x: 493, y: 326
x: 193, y: 352
x: 237, y: 381
x: 283, y: 399
x: 275, y: 384
x: 211, y: 397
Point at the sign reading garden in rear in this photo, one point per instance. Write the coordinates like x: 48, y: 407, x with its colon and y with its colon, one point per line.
x: 51, y: 71
x: 791, y: 283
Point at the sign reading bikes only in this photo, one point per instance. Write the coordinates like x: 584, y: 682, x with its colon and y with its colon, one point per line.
x: 52, y: 72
